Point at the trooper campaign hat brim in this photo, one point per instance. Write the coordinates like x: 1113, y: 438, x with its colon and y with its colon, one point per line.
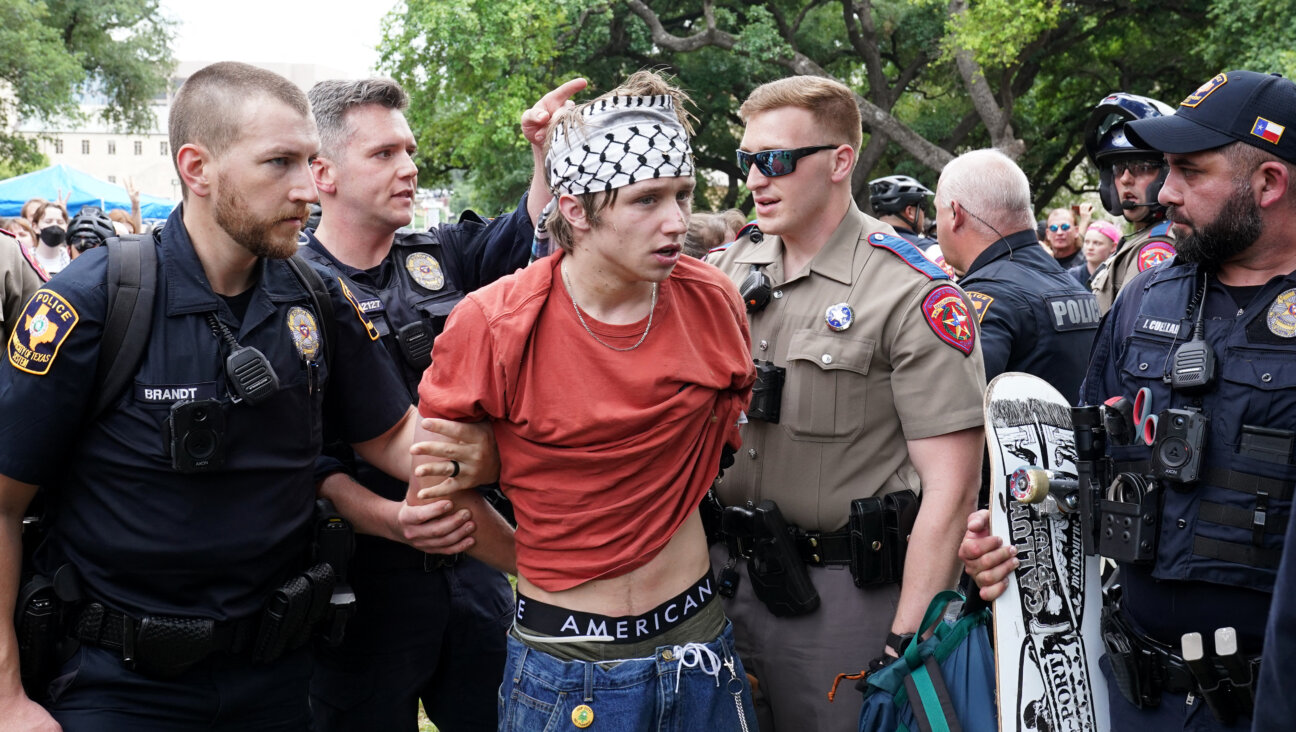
x: 1235, y: 106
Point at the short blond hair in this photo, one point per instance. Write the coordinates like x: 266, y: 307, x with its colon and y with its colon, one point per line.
x: 831, y: 103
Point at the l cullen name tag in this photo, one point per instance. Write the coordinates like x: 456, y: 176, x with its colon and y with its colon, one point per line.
x: 1158, y: 326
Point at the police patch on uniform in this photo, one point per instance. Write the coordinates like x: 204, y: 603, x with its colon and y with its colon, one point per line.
x: 360, y: 313
x: 1204, y: 91
x: 948, y: 316
x: 839, y: 317
x: 425, y: 270
x: 44, y: 324
x: 1282, y: 315
x: 980, y: 303
x: 1153, y: 254
x: 305, y: 332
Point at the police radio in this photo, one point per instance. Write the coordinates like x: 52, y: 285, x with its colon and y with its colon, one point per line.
x: 1194, y: 362
x: 755, y: 290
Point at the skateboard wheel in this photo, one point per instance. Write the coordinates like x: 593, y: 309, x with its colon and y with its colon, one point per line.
x: 1029, y: 485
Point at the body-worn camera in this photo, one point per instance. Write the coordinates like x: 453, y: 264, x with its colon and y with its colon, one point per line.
x: 778, y: 575
x: 196, y: 435
x: 1177, y: 451
x: 767, y: 392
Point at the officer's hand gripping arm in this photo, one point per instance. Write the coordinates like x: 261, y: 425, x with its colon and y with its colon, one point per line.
x: 435, y: 528
x: 472, y: 445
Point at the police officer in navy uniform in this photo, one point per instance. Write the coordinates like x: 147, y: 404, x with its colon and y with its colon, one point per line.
x: 1034, y: 316
x: 429, y: 627
x: 901, y: 201
x: 1211, y: 336
x: 180, y: 519
x: 1129, y: 179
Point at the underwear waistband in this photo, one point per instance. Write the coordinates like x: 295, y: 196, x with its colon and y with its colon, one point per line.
x: 561, y: 624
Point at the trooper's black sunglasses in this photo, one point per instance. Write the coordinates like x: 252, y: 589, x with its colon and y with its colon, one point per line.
x: 774, y: 163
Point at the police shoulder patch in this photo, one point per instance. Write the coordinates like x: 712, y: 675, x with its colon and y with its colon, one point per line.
x: 1154, y: 253
x: 44, y: 324
x: 359, y: 311
x: 909, y: 254
x: 947, y: 314
x: 980, y: 303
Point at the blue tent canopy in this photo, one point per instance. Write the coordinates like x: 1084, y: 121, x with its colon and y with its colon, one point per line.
x: 85, y: 190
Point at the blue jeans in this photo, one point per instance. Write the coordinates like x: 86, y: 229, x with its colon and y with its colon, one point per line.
x: 702, y: 686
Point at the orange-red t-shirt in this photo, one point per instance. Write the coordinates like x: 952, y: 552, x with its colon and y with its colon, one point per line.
x: 603, y: 453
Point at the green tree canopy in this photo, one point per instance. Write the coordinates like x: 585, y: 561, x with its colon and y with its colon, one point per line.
x: 53, y: 51
x: 933, y: 77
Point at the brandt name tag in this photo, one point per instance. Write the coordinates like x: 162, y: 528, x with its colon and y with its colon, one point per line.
x: 1073, y: 312
x: 1158, y: 326
x: 170, y: 393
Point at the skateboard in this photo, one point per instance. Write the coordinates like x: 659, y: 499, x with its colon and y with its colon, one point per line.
x: 1046, y: 625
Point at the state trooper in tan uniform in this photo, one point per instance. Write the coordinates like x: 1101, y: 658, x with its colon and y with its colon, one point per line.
x: 882, y: 382
x: 1130, y: 178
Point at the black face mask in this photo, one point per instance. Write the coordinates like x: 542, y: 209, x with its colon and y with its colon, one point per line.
x: 52, y: 236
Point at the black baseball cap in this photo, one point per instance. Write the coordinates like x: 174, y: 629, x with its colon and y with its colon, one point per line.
x: 1235, y: 106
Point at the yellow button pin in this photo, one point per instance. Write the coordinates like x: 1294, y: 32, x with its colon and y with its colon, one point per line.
x: 583, y: 716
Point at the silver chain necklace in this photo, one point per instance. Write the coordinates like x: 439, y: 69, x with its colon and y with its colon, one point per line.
x: 581, y: 318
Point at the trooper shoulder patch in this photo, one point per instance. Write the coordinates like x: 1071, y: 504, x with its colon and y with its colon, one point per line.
x: 1154, y: 253
x: 980, y: 303
x: 946, y: 313
x: 359, y: 311
x: 44, y: 324
x: 909, y: 254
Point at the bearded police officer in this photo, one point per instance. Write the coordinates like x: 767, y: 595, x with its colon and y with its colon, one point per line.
x: 430, y: 627
x: 1034, y: 316
x: 1130, y: 177
x: 868, y: 395
x: 179, y: 518
x: 1205, y: 345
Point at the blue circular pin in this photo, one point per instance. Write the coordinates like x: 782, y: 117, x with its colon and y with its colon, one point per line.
x: 839, y: 317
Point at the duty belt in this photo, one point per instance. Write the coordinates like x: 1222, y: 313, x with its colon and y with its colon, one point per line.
x: 818, y: 549
x: 164, y: 645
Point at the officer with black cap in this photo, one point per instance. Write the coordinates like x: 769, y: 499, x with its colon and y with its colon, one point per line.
x: 900, y: 201
x: 90, y: 228
x: 1130, y: 178
x: 1204, y: 348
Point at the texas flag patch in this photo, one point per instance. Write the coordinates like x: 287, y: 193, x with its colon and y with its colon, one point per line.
x: 947, y: 314
x: 1268, y: 131
x: 1153, y: 254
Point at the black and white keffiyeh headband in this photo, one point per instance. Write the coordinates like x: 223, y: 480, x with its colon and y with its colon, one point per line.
x: 615, y: 142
